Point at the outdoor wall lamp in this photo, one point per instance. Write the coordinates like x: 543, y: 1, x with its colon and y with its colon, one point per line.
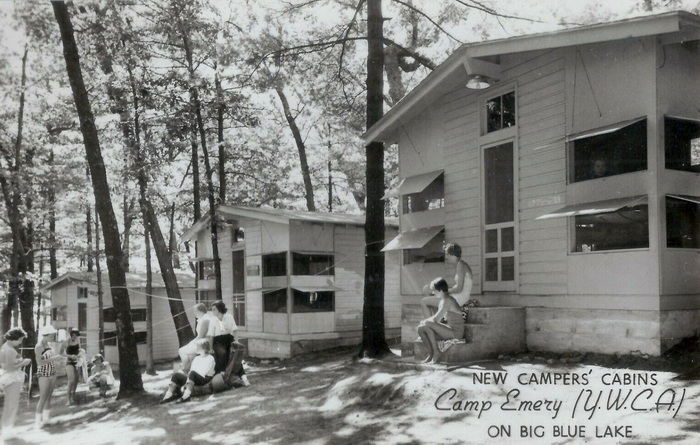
x: 478, y: 82
x: 480, y: 73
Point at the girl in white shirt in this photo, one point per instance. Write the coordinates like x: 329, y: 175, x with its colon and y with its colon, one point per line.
x: 189, y: 351
x: 201, y: 373
x: 224, y: 336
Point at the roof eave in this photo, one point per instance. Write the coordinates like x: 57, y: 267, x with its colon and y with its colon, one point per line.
x: 676, y: 21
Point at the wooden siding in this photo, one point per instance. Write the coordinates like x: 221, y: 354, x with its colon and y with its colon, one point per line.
x: 310, y: 237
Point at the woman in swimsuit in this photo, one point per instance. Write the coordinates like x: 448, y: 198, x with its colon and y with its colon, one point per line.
x: 46, y: 373
x: 463, y: 281
x: 11, y: 378
x: 71, y: 350
x: 432, y: 329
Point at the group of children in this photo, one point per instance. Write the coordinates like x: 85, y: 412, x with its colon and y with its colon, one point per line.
x: 49, y: 355
x: 207, y: 354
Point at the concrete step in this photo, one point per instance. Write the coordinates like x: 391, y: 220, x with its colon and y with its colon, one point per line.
x: 489, y: 332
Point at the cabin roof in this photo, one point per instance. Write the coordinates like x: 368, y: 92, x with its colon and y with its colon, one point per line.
x: 452, y: 69
x: 133, y: 280
x: 282, y: 216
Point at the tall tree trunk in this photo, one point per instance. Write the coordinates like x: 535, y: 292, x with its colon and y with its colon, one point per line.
x: 127, y: 209
x: 172, y: 242
x: 177, y: 308
x: 196, y: 198
x: 194, y: 97
x: 51, y: 198
x: 301, y: 147
x: 373, y: 335
x: 130, y: 377
x: 100, y: 292
x: 88, y: 227
x: 152, y: 229
x: 150, y: 370
x: 220, y: 109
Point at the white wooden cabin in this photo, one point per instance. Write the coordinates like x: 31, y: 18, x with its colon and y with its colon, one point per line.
x: 293, y: 279
x: 571, y: 179
x: 73, y: 297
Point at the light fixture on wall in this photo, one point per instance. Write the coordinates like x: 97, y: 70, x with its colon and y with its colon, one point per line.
x: 478, y: 82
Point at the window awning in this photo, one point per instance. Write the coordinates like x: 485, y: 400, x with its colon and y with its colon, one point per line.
x: 590, y: 208
x: 603, y: 130
x: 693, y: 199
x: 316, y: 288
x: 265, y: 290
x: 412, y: 184
x: 413, y: 239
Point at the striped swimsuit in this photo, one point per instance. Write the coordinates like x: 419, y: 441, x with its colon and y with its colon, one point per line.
x: 47, y: 369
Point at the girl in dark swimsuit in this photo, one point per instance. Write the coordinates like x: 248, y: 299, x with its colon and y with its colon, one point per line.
x: 71, y: 352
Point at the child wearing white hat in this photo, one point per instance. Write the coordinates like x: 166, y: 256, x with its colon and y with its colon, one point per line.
x: 46, y: 359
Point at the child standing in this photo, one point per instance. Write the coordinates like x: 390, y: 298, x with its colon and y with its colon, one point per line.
x: 12, y: 377
x: 46, y: 373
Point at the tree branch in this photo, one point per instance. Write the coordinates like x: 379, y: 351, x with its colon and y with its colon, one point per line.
x: 436, y: 24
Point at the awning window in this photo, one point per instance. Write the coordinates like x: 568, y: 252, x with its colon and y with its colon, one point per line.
x: 603, y: 130
x: 607, y: 206
x: 316, y: 288
x: 413, y: 239
x: 693, y: 199
x: 413, y: 184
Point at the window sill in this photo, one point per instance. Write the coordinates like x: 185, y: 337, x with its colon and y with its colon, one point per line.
x: 498, y: 135
x: 607, y: 178
x: 594, y: 252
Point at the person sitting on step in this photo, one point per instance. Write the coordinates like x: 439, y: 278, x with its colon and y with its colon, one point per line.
x: 201, y: 373
x: 431, y: 330
x: 101, y: 375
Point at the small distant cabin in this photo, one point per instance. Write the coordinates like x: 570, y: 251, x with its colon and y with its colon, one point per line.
x: 567, y: 166
x: 73, y: 297
x: 293, y: 279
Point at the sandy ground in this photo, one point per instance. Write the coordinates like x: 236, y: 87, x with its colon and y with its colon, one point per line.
x: 338, y: 400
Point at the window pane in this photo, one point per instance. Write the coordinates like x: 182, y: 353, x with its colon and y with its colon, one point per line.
x: 108, y: 315
x: 139, y: 314
x: 432, y: 197
x: 238, y: 309
x: 507, y: 268
x: 110, y: 338
x: 206, y: 270
x: 238, y: 235
x: 432, y: 252
x: 507, y: 239
x: 320, y: 301
x: 628, y: 228
x: 498, y: 170
x: 682, y: 144
x: 141, y: 337
x: 492, y: 240
x: 609, y: 154
x: 238, y: 272
x: 491, y: 269
x: 682, y: 223
x: 82, y: 317
x: 274, y: 264
x: 509, y: 110
x: 275, y: 301
x: 493, y: 114
x: 312, y: 264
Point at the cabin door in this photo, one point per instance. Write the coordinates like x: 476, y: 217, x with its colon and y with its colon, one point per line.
x: 499, y: 234
x: 238, y: 277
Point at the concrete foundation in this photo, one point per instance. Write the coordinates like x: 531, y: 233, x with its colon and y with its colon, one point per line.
x: 288, y: 347
x: 489, y: 332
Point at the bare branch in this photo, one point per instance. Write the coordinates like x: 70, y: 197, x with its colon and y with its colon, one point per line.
x: 482, y: 7
x: 358, y: 8
x: 436, y: 24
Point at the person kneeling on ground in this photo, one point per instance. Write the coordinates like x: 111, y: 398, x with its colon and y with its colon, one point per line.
x: 101, y: 376
x: 201, y: 373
